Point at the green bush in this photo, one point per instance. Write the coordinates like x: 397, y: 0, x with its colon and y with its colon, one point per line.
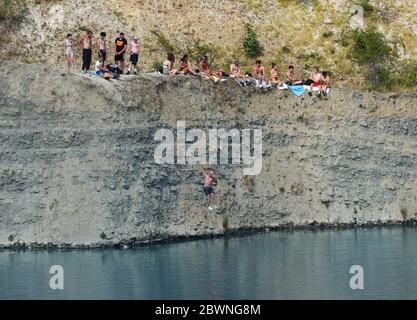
x: 251, y: 44
x: 327, y: 34
x: 11, y: 8
x: 198, y: 49
x: 406, y: 75
x: 380, y: 77
x: 370, y: 50
x: 367, y: 7
x: 166, y: 45
x: 226, y: 223
x: 156, y: 65
x: 370, y: 47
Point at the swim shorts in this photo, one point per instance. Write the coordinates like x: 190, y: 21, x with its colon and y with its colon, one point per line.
x: 103, y: 53
x: 134, y: 58
x: 119, y: 57
x: 208, y: 190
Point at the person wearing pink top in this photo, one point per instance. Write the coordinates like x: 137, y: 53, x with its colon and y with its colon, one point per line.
x: 134, y: 49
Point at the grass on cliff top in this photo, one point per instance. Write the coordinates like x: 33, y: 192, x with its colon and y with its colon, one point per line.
x: 11, y: 8
x: 320, y: 38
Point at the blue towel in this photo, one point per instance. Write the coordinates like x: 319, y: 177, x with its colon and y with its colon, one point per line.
x: 297, y: 90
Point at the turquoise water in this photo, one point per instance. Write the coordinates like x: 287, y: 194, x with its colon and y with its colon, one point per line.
x: 275, y: 265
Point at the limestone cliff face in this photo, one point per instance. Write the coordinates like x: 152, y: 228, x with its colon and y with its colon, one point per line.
x: 77, y: 158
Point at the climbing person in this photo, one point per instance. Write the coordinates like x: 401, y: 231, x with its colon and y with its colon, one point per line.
x: 69, y: 52
x: 101, y: 46
x: 120, y: 46
x: 85, y: 43
x: 134, y: 49
x: 209, y: 179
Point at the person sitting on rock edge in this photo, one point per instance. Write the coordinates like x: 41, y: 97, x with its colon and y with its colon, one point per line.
x: 168, y: 65
x: 183, y: 66
x: 289, y: 77
x: 274, y: 74
x: 259, y: 73
x: 315, y: 82
x: 204, y: 67
x: 325, y: 83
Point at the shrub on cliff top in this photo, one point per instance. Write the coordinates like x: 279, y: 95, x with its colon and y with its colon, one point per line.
x: 251, y: 44
x: 163, y: 41
x: 367, y: 7
x: 406, y: 74
x: 370, y: 49
x: 198, y: 48
x: 11, y: 8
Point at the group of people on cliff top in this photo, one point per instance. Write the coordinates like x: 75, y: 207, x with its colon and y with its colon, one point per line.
x: 120, y: 46
x: 318, y: 82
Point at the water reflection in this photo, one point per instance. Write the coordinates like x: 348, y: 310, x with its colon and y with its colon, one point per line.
x: 275, y: 265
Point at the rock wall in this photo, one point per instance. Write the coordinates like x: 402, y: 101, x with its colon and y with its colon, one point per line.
x: 77, y: 158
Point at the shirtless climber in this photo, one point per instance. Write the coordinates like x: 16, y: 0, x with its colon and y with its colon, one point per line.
x: 209, y: 178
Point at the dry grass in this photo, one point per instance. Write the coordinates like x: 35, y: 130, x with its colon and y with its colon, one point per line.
x: 302, y: 33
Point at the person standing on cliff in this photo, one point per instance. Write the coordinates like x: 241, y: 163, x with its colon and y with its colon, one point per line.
x: 101, y: 46
x: 134, y: 49
x: 120, y: 46
x: 69, y: 53
x: 209, y: 180
x: 85, y: 43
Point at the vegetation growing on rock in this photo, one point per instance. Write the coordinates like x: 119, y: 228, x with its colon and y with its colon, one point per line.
x: 304, y: 33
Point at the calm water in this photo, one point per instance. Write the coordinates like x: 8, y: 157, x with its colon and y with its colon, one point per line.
x: 275, y: 265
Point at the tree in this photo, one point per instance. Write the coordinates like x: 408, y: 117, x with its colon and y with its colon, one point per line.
x: 251, y: 44
x: 11, y: 8
x: 370, y: 49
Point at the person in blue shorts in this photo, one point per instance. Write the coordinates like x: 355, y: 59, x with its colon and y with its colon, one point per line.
x: 209, y: 178
x: 134, y: 49
x: 101, y: 70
